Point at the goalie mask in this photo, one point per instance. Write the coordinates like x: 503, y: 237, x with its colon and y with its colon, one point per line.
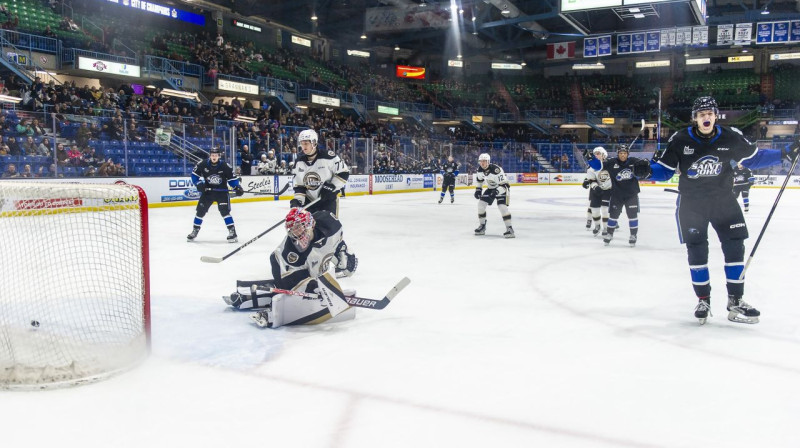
x: 300, y: 227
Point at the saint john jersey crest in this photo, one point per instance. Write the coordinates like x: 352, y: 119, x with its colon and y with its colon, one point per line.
x: 706, y: 164
x: 215, y: 175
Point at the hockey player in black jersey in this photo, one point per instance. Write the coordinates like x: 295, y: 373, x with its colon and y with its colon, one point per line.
x: 742, y: 181
x: 449, y: 173
x: 704, y: 153
x: 212, y: 177
x: 299, y: 263
x: 318, y: 174
x: 624, y: 192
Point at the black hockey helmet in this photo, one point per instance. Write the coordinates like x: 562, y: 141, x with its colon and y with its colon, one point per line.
x: 215, y: 150
x: 623, y: 148
x: 705, y: 103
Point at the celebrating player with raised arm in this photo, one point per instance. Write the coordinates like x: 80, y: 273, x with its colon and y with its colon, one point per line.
x: 212, y: 177
x: 703, y: 153
x: 599, y: 184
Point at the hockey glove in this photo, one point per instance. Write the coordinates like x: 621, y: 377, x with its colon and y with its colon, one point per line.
x: 239, y: 190
x: 641, y: 169
x: 586, y: 183
x: 295, y: 203
x: 792, y: 150
x: 201, y: 187
x: 478, y: 193
x: 492, y: 192
x: 328, y: 191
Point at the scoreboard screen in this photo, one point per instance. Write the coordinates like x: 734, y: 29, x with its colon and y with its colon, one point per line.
x: 409, y: 71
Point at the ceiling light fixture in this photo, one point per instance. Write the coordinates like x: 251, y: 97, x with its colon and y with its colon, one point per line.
x: 397, y: 48
x: 314, y: 17
x: 523, y: 63
x: 764, y: 11
x: 505, y: 10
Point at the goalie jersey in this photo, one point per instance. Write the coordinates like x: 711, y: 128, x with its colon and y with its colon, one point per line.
x: 310, y: 175
x: 290, y: 265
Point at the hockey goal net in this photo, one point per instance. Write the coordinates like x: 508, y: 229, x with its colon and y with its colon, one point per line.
x: 74, y: 300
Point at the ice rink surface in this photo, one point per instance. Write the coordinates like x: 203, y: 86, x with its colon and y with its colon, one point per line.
x: 549, y: 339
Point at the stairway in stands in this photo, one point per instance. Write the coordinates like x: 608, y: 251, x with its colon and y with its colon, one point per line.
x: 577, y: 102
x: 500, y: 88
x: 767, y: 85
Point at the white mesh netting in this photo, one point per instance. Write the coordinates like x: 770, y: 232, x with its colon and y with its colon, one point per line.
x: 73, y: 299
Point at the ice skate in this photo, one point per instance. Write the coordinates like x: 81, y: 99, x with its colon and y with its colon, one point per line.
x: 190, y: 237
x: 441, y: 198
x: 596, y: 230
x: 262, y: 318
x: 632, y: 240
x: 588, y: 224
x: 481, y: 230
x: 509, y: 233
x: 452, y: 199
x: 741, y: 312
x: 703, y: 310
x: 232, y: 238
x: 746, y: 209
x: 607, y: 238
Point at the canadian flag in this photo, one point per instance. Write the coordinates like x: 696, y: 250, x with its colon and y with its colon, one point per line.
x: 561, y: 50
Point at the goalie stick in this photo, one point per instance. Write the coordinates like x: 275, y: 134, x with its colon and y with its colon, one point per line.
x: 207, y: 259
x: 360, y: 302
x: 630, y: 145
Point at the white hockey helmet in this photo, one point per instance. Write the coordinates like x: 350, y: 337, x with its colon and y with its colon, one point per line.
x: 602, y: 151
x: 485, y: 157
x: 308, y: 134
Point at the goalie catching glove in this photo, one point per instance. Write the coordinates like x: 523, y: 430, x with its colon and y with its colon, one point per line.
x: 641, y: 169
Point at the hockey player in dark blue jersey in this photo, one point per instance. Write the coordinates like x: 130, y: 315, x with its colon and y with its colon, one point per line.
x: 705, y: 154
x: 449, y: 173
x: 624, y: 193
x: 212, y: 177
x: 742, y: 181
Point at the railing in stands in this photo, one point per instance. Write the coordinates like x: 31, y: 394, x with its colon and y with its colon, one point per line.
x: 31, y: 42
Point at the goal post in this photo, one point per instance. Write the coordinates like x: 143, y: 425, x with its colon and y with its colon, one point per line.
x: 74, y: 300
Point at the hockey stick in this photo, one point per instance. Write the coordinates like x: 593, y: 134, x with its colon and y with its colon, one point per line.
x: 283, y: 190
x: 672, y: 190
x: 206, y: 259
x: 769, y: 217
x: 360, y: 302
x: 630, y: 145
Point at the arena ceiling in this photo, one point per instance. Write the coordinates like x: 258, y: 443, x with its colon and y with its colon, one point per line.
x: 509, y: 27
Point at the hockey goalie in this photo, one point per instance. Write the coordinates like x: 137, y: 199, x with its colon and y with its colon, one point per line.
x: 300, y: 268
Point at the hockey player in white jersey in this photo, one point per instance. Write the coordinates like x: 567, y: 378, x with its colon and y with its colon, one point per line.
x: 318, y: 174
x: 300, y: 263
x: 497, y: 189
x: 599, y: 185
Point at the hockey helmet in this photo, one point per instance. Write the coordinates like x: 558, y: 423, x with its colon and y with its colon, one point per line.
x: 215, y: 150
x: 485, y: 157
x: 600, y: 150
x: 705, y: 103
x: 300, y: 227
x: 308, y: 135
x: 623, y: 148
